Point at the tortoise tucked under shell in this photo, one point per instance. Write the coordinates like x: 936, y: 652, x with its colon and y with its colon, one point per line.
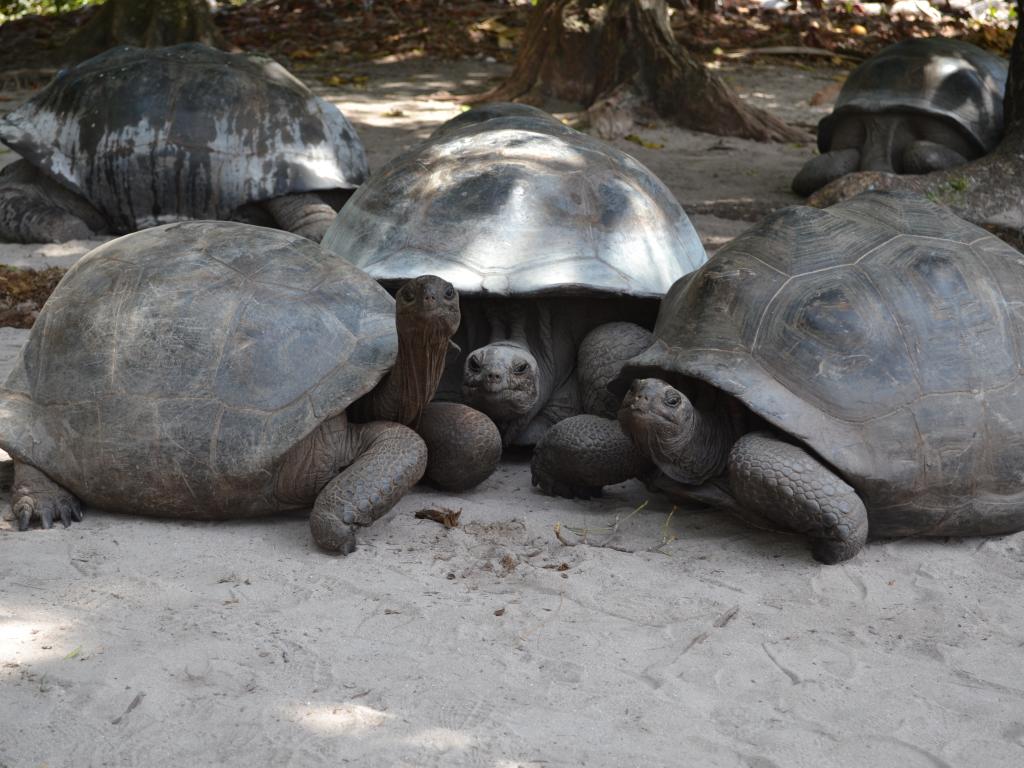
x: 917, y: 106
x: 137, y: 137
x: 840, y: 372
x: 215, y: 370
x: 553, y: 240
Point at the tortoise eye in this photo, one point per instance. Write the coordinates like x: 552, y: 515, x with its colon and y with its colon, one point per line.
x: 449, y: 292
x: 520, y: 367
x: 672, y: 399
x: 473, y: 364
x: 406, y: 295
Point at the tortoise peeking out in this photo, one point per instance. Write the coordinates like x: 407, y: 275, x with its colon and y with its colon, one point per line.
x: 560, y: 245
x: 917, y: 106
x: 137, y: 137
x: 838, y: 373
x: 206, y: 370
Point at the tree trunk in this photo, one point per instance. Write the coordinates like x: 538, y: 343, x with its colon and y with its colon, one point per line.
x: 145, y: 23
x: 988, y: 191
x: 620, y: 58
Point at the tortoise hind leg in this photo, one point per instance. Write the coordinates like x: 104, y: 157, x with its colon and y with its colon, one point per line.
x: 787, y: 485
x: 35, y: 495
x: 389, y: 460
x: 36, y: 209
x: 303, y: 213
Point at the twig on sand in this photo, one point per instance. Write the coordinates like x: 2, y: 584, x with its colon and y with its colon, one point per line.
x: 610, y: 531
x: 449, y: 518
x: 135, y: 702
x: 720, y: 622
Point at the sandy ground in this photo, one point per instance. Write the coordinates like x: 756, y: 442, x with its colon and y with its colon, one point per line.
x: 677, y: 639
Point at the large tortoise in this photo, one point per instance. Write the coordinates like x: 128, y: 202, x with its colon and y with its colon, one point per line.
x: 917, y: 106
x: 137, y: 137
x: 559, y: 244
x: 213, y: 370
x: 841, y: 372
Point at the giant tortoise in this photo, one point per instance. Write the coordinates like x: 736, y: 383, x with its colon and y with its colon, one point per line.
x: 917, y: 106
x: 216, y: 370
x: 841, y: 372
x: 560, y: 245
x: 137, y: 137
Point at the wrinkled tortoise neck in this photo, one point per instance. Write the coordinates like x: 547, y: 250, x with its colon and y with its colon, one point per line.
x: 695, y: 449
x: 414, y: 378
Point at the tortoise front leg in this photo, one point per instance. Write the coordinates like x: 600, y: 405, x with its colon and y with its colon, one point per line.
x: 36, y: 495
x: 580, y: 455
x: 820, y: 170
x: 790, y: 487
x: 303, y: 213
x: 601, y: 356
x: 928, y: 156
x: 389, y: 460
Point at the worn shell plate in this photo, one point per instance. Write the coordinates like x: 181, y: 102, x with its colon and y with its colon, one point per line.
x: 172, y: 369
x: 951, y: 79
x: 150, y: 136
x: 882, y: 332
x: 517, y: 206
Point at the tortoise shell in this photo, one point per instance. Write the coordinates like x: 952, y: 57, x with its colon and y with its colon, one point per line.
x: 154, y: 135
x: 519, y: 205
x: 172, y: 369
x: 883, y: 333
x: 948, y: 79
x: 490, y: 112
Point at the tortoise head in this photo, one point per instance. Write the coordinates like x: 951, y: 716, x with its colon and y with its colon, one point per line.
x: 427, y: 306
x: 686, y: 444
x: 502, y: 379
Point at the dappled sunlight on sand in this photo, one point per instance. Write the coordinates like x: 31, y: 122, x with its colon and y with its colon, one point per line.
x: 347, y: 718
x: 27, y: 641
x: 440, y: 739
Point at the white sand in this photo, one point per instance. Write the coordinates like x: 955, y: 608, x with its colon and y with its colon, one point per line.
x: 695, y: 641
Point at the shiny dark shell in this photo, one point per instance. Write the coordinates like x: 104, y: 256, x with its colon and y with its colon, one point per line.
x: 151, y: 136
x: 518, y: 205
x: 949, y: 79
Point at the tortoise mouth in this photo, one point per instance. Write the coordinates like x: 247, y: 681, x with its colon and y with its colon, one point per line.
x: 500, y: 401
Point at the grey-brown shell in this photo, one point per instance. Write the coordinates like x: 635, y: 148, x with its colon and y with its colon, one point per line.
x: 885, y: 334
x: 519, y: 205
x: 151, y: 136
x: 949, y: 79
x: 172, y: 369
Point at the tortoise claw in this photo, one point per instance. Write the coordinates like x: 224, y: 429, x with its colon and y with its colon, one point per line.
x: 36, y: 496
x: 23, y: 509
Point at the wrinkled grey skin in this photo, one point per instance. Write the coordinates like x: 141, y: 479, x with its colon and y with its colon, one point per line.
x: 836, y: 373
x: 539, y: 361
x: 918, y: 106
x: 211, y: 370
x: 547, y: 233
x: 150, y: 136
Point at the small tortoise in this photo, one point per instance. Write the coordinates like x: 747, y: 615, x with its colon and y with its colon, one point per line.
x: 840, y: 372
x: 917, y: 106
x: 207, y: 369
x: 137, y: 137
x: 560, y: 246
